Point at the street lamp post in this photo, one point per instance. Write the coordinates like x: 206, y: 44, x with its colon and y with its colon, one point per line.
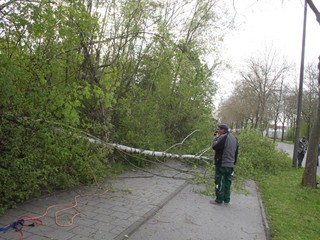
x: 298, y: 124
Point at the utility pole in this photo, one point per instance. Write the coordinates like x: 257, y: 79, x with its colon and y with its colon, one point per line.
x: 298, y: 123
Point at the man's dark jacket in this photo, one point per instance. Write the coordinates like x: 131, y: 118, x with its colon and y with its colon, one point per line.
x: 226, y: 149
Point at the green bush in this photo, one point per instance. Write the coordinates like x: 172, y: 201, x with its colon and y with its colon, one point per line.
x: 257, y: 155
x: 38, y: 158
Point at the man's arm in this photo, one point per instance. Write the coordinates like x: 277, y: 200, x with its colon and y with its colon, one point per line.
x: 219, y: 142
x: 236, y: 155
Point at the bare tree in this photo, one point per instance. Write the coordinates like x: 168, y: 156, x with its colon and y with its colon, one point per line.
x: 238, y: 110
x: 287, y: 109
x: 276, y: 104
x: 262, y: 78
x: 310, y: 97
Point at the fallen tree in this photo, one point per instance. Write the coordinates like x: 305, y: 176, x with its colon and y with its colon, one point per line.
x: 163, y: 154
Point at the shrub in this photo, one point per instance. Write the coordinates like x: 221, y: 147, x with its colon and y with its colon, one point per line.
x: 257, y: 155
x: 37, y: 158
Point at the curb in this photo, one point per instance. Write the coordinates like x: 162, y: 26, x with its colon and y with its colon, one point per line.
x: 263, y: 214
x: 134, y: 227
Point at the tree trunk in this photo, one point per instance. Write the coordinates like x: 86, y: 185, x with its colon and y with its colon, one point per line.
x: 164, y: 154
x: 309, y: 178
x: 282, y: 131
x: 275, y: 128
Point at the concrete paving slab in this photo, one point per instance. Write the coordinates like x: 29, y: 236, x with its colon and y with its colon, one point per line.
x: 140, y: 206
x: 190, y: 216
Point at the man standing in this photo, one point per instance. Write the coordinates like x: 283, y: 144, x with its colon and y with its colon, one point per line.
x: 318, y: 154
x: 226, y: 148
x: 303, y: 146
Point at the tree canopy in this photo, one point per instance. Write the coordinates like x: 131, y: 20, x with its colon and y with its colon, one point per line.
x: 128, y: 72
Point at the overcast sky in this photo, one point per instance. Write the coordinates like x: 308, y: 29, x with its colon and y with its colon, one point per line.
x: 261, y: 24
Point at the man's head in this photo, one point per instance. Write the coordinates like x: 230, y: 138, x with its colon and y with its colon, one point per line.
x: 223, y: 128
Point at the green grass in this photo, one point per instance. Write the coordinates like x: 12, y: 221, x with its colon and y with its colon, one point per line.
x: 293, y: 211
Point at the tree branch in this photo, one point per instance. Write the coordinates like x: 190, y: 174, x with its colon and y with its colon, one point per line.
x: 314, y: 9
x: 94, y: 139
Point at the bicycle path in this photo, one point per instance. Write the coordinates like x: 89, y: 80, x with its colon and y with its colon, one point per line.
x: 141, y: 205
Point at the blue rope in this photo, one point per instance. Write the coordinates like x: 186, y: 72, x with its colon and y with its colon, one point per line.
x: 15, y: 225
x: 5, y: 229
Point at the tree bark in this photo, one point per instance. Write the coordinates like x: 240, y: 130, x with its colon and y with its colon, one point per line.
x: 148, y: 152
x: 309, y: 178
x: 314, y: 9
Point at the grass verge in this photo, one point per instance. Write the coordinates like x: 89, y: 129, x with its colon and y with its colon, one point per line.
x: 293, y: 210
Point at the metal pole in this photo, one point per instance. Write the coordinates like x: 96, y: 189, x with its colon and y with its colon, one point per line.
x: 298, y: 124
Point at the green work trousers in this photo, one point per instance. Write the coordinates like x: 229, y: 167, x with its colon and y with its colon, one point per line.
x: 223, y: 180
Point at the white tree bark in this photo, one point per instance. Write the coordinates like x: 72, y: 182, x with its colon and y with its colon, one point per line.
x: 147, y: 152
x: 124, y: 148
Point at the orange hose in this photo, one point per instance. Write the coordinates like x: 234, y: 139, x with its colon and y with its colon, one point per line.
x: 36, y: 220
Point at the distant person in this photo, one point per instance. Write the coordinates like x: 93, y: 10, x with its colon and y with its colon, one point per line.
x: 318, y: 154
x: 226, y: 148
x: 303, y: 146
x: 319, y: 70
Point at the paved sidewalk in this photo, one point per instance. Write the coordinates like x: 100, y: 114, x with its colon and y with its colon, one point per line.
x: 138, y: 205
